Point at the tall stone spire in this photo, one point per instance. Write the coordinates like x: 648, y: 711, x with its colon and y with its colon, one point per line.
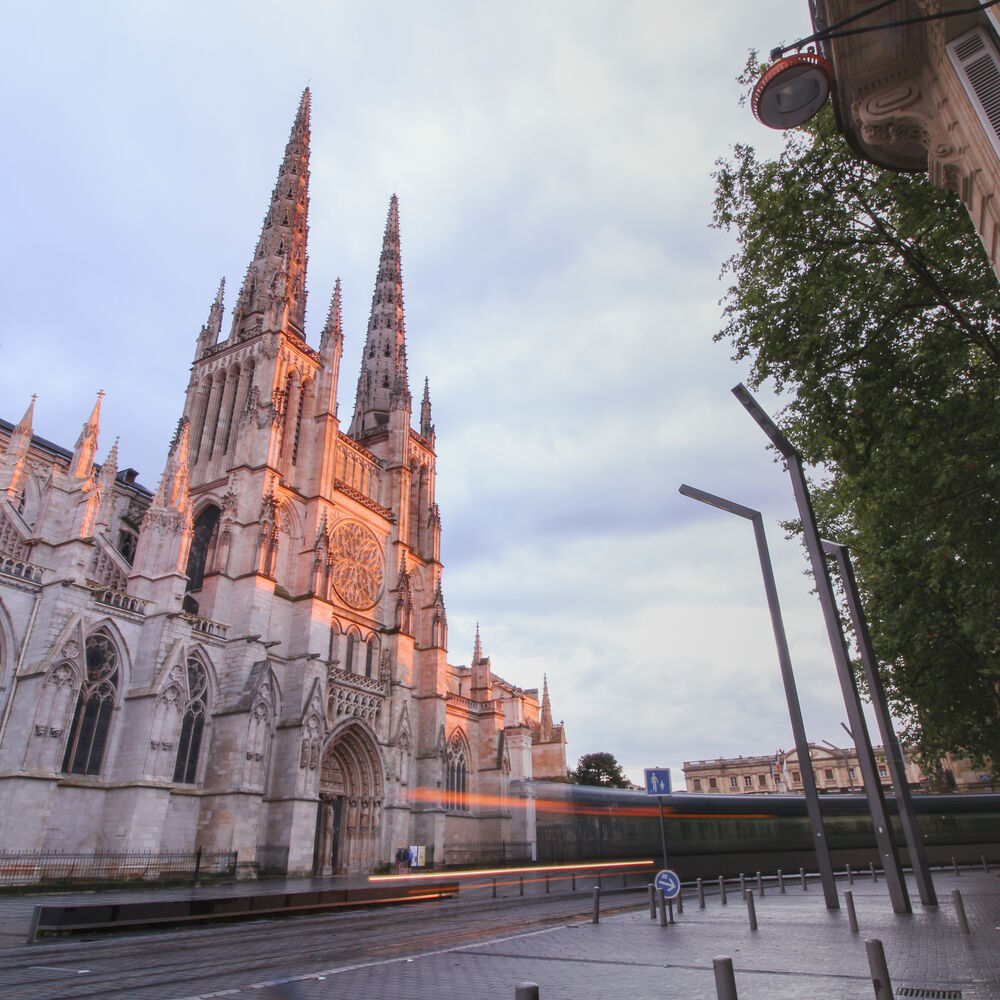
x: 161, y: 554
x: 545, y: 714
x: 209, y: 335
x: 383, y: 384
x: 13, y: 463
x: 333, y: 331
x: 426, y: 425
x: 106, y: 487
x: 482, y: 677
x: 273, y: 296
x: 85, y: 451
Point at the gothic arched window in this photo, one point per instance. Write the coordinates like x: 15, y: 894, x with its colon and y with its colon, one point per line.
x: 92, y: 719
x: 371, y: 657
x: 192, y: 725
x: 352, y: 641
x: 204, y: 534
x: 457, y: 778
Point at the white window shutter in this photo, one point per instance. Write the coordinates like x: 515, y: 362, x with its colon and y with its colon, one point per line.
x: 978, y: 67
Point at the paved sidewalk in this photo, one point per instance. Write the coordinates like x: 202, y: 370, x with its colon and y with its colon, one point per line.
x: 800, y: 950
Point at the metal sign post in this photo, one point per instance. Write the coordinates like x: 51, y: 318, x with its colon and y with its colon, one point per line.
x: 658, y: 784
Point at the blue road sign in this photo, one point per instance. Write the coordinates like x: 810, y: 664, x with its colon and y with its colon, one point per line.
x: 657, y: 780
x: 668, y: 881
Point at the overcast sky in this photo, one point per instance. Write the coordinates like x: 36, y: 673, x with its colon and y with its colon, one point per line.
x: 553, y: 162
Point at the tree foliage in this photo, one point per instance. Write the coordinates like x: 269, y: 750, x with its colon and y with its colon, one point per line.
x: 599, y: 769
x: 867, y: 294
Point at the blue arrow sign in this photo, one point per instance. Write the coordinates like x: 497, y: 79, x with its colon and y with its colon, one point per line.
x: 657, y: 780
x: 668, y: 881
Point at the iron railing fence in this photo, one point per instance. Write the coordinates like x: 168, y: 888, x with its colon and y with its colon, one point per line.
x: 29, y: 867
x: 487, y: 852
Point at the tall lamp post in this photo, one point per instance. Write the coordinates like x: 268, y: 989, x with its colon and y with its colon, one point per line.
x: 893, y: 751
x: 823, y: 861
x: 852, y: 702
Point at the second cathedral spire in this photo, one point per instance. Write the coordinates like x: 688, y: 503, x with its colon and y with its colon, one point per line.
x: 383, y: 384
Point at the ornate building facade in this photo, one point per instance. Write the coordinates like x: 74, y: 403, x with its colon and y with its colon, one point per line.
x: 922, y: 94
x: 835, y: 769
x: 254, y: 658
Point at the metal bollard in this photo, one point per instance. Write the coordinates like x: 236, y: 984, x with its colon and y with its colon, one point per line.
x: 574, y: 881
x: 526, y: 991
x: 852, y: 915
x: 986, y: 867
x: 743, y: 886
x: 661, y: 905
x: 963, y: 922
x: 546, y: 883
x: 520, y: 879
x: 751, y: 912
x: 597, y: 905
x: 781, y: 880
x: 954, y: 866
x: 600, y: 885
x: 652, y: 901
x: 802, y: 876
x: 760, y: 884
x: 725, y: 981
x: 670, y: 911
x: 722, y: 888
x: 850, y: 876
x: 680, y: 900
x: 879, y: 970
x: 701, y: 895
x: 494, y: 887
x: 871, y: 865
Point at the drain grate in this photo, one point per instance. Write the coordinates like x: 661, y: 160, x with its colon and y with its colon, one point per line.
x: 925, y: 994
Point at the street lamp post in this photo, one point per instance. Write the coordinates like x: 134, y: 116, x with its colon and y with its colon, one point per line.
x: 823, y: 861
x: 893, y: 750
x: 845, y: 674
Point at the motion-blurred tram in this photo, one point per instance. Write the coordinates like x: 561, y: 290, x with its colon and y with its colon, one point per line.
x: 711, y: 835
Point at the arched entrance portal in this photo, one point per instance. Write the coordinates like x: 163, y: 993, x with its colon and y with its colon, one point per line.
x: 349, y: 817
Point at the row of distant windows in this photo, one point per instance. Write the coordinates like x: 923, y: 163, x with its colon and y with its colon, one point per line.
x: 748, y: 779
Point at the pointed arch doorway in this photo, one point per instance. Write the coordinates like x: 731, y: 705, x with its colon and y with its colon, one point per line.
x: 349, y: 814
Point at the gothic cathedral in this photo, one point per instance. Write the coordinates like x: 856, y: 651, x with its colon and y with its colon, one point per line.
x: 254, y: 658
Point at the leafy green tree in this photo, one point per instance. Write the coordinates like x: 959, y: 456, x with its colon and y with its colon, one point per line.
x: 867, y: 295
x: 599, y: 769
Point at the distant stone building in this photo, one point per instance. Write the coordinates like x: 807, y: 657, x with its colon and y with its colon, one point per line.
x: 923, y: 96
x: 835, y: 770
x: 254, y: 657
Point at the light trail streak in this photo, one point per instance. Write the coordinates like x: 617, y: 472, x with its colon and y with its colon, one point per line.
x: 526, y: 870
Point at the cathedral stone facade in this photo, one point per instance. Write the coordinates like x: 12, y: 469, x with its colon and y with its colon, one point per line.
x: 254, y: 658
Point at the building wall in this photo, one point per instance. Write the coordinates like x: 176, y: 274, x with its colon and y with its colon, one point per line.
x: 835, y: 770
x: 905, y: 103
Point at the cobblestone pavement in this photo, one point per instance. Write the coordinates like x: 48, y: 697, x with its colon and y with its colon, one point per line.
x: 800, y: 950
